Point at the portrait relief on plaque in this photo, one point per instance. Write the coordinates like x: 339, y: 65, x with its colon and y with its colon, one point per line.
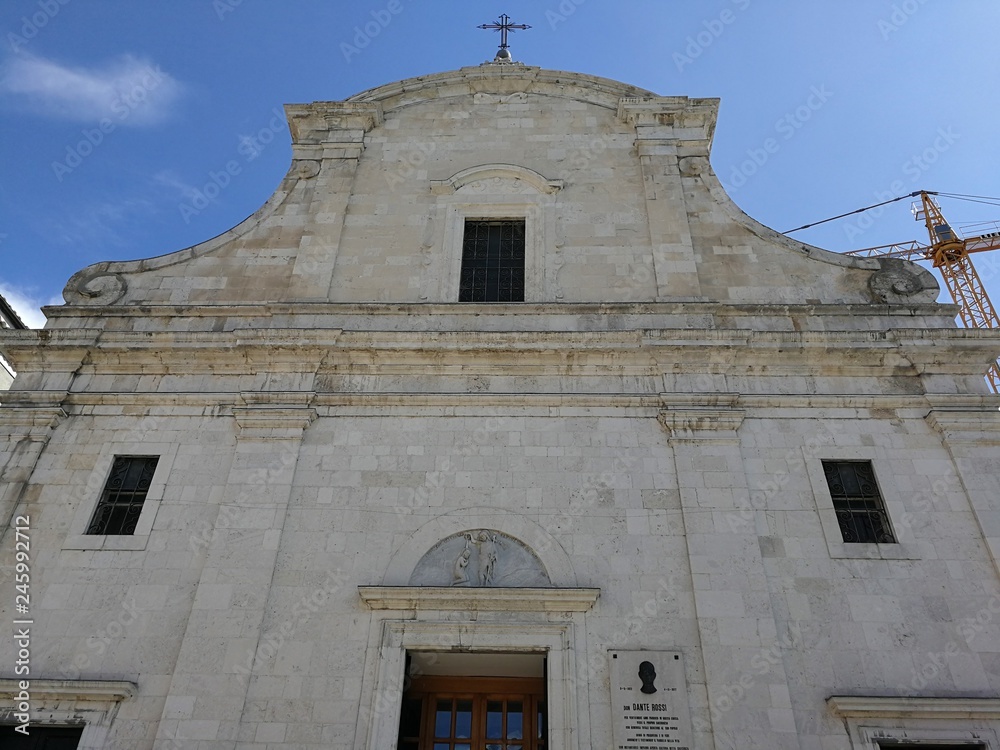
x: 649, y: 701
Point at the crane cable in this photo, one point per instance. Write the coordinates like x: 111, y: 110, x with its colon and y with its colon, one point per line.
x: 860, y: 210
x: 986, y: 200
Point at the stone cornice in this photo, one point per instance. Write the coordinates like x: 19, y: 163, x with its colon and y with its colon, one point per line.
x: 99, y: 691
x: 945, y: 312
x: 669, y: 119
x: 877, y: 707
x: 501, y: 79
x: 345, y: 123
x: 415, y: 598
x: 938, y: 346
x: 836, y: 406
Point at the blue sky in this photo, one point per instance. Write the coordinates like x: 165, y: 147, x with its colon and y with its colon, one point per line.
x: 115, y: 114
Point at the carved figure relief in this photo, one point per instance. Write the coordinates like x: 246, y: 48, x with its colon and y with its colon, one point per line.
x: 461, y: 574
x: 480, y: 558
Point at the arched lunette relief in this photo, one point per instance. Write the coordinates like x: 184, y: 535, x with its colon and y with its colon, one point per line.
x: 480, y: 558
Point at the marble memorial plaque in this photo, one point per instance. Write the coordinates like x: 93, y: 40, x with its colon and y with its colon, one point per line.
x: 649, y: 701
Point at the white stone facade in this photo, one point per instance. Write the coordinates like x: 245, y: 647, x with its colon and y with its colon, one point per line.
x: 649, y: 423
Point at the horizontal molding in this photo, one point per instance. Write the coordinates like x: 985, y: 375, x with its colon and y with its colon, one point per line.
x: 96, y: 691
x: 472, y: 309
x: 876, y: 707
x: 207, y: 403
x: 413, y: 598
x: 659, y: 347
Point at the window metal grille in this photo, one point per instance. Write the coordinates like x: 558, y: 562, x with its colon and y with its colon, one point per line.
x: 858, y: 503
x: 123, y: 496
x: 492, y: 262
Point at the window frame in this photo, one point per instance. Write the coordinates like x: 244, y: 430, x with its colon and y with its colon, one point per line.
x: 499, y: 222
x: 534, y: 215
x: 877, y: 500
x: 92, y: 491
x: 113, y: 499
x: 390, y: 639
x: 906, y: 546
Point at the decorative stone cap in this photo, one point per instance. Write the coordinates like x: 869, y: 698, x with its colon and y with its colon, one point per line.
x: 103, y: 691
x: 324, y: 122
x: 671, y: 118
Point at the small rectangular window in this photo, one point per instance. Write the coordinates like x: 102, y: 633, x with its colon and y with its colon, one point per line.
x: 492, y: 261
x: 858, y: 503
x: 124, y: 493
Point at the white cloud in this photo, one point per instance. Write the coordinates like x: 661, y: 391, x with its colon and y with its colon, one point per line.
x: 170, y: 180
x: 26, y: 304
x: 127, y: 91
x: 104, y: 221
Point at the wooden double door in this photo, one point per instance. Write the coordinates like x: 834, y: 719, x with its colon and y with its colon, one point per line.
x: 474, y: 713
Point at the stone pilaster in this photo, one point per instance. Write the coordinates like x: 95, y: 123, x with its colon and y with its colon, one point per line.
x: 216, y: 660
x: 972, y: 437
x: 328, y: 139
x: 740, y: 639
x: 26, y: 430
x: 667, y: 129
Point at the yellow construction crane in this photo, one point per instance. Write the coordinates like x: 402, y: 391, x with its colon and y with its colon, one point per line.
x: 950, y: 255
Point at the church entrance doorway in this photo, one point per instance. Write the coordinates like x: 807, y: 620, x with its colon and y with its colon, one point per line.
x: 460, y: 711
x: 41, y: 738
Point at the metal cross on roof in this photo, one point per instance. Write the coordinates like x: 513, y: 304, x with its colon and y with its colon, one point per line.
x: 503, y: 26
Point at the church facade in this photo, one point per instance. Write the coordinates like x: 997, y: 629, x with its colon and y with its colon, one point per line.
x: 501, y: 426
